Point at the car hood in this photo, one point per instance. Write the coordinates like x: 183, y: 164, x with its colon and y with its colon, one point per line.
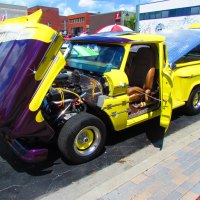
x: 29, y: 54
x: 180, y: 42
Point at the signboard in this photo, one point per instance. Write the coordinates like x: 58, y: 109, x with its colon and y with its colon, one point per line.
x: 117, y: 16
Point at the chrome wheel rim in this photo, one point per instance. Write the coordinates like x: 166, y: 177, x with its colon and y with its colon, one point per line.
x: 87, y: 140
x: 196, y: 100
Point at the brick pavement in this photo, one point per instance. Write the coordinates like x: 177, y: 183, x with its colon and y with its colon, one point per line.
x: 177, y: 177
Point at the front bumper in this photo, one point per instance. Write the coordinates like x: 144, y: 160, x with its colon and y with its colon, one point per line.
x: 27, y: 155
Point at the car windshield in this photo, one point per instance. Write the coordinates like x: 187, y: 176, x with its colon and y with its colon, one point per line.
x: 95, y: 57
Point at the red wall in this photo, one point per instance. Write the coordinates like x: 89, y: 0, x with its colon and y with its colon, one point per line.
x: 85, y: 25
x: 50, y: 17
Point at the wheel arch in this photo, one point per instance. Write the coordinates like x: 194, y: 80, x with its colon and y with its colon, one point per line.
x: 193, y: 87
x: 96, y: 111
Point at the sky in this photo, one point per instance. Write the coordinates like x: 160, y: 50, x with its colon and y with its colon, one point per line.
x: 70, y: 7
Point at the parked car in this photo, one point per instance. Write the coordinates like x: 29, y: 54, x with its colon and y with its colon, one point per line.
x: 65, y: 47
x: 116, y: 80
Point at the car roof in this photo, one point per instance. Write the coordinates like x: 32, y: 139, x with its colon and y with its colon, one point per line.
x: 119, y: 37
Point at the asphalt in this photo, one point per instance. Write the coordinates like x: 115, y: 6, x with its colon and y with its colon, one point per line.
x: 119, y: 173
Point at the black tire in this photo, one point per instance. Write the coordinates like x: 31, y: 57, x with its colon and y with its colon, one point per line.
x: 82, y: 138
x: 193, y: 104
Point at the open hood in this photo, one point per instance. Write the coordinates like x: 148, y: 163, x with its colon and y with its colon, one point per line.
x: 180, y: 42
x: 29, y: 62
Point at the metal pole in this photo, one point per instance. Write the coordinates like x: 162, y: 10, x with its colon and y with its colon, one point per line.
x: 138, y: 17
x: 65, y: 31
x: 123, y: 18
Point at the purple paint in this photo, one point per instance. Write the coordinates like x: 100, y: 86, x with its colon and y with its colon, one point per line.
x: 18, y: 61
x: 33, y: 155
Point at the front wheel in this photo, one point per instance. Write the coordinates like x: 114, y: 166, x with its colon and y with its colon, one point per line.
x: 193, y: 103
x: 82, y: 138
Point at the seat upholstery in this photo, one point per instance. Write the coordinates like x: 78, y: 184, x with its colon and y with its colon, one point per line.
x: 141, y: 75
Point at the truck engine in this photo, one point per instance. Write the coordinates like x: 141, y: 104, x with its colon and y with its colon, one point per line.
x: 70, y: 94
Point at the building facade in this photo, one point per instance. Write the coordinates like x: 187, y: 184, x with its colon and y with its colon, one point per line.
x: 78, y: 23
x: 8, y: 11
x: 100, y: 20
x: 169, y: 14
x: 51, y: 17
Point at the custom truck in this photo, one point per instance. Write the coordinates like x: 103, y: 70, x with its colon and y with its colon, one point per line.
x: 105, y: 80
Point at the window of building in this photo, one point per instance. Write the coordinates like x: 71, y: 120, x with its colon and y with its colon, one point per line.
x: 165, y: 13
x: 171, y: 13
x: 82, y: 19
x: 146, y: 15
x: 77, y: 20
x: 152, y: 15
x: 158, y: 15
x: 195, y: 10
x: 185, y: 11
x: 142, y: 16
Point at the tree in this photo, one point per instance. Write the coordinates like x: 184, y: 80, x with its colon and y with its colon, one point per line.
x: 130, y: 22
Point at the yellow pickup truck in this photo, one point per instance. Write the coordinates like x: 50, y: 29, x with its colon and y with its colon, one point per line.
x: 111, y: 79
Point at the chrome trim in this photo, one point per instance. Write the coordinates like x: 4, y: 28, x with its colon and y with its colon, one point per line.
x: 114, y: 114
x: 110, y: 106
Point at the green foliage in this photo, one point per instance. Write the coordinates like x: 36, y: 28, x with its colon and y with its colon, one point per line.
x: 130, y: 22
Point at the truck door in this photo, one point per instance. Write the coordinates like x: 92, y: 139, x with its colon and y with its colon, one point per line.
x: 165, y: 89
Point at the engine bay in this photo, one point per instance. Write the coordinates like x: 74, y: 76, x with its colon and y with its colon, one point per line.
x: 70, y: 94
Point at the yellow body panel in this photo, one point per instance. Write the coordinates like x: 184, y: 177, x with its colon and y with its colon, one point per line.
x: 117, y: 110
x: 39, y: 118
x: 142, y: 118
x: 193, y: 26
x: 144, y: 38
x: 49, y: 57
x: 47, y: 81
x: 186, y: 77
x: 165, y: 85
x: 117, y: 81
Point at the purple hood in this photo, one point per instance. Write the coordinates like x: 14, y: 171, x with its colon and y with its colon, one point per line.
x: 19, y: 60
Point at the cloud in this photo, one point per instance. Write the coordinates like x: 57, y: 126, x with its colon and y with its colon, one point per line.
x: 14, y: 2
x: 88, y: 3
x: 68, y: 11
x: 64, y: 9
x: 128, y: 7
x: 104, y: 6
x: 97, y: 6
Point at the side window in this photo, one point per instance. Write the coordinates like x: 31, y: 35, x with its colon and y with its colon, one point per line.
x: 193, y: 55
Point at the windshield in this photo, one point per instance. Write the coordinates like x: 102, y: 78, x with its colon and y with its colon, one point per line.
x: 95, y: 57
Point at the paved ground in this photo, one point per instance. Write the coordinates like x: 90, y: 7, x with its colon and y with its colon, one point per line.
x: 177, y: 177
x: 54, y: 177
